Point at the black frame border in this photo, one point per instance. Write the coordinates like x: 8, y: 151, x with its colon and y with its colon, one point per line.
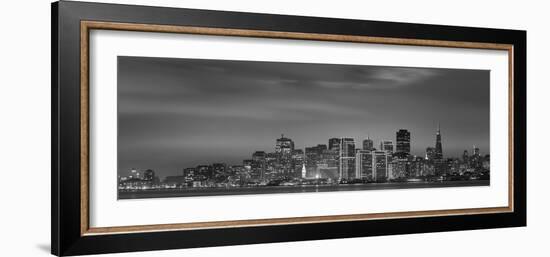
x: 66, y: 236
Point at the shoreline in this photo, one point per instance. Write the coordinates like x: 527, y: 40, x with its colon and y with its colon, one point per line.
x: 199, y: 192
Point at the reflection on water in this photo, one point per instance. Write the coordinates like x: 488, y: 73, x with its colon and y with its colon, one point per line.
x: 162, y: 193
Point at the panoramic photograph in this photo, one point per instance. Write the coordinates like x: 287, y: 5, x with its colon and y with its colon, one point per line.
x: 200, y: 127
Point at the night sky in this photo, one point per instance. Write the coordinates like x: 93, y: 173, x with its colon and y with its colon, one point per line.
x: 177, y: 113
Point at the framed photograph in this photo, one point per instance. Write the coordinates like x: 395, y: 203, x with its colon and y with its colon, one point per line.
x: 179, y: 128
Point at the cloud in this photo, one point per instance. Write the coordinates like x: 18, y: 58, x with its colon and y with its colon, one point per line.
x: 380, y: 78
x: 282, y: 109
x: 402, y: 76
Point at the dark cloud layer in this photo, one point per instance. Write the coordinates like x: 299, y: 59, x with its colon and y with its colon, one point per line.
x: 176, y: 113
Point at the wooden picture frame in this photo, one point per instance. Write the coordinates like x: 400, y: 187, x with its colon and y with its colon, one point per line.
x: 71, y: 25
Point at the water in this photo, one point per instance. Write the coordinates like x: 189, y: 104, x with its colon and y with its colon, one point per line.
x: 163, y: 193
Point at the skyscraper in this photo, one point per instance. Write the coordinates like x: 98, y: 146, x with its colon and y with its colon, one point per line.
x: 284, y: 148
x: 381, y: 167
x: 403, y: 142
x: 258, y: 165
x: 368, y: 144
x: 364, y: 165
x: 284, y: 145
x: 313, y: 158
x: 271, y: 162
x: 476, y: 159
x: 438, y: 147
x: 334, y: 149
x: 347, y: 158
x: 440, y: 166
x: 334, y: 144
x: 328, y: 165
x: 387, y: 146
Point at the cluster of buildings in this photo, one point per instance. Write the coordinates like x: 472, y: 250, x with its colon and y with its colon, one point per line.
x: 341, y: 161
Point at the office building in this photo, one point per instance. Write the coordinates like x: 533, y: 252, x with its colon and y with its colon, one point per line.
x: 403, y: 142
x: 347, y: 158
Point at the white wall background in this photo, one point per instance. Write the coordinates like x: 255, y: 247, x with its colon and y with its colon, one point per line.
x: 25, y: 127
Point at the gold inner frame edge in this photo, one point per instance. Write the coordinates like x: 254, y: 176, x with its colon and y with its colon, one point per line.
x: 86, y: 26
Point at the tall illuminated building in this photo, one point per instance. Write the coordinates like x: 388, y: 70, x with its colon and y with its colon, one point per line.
x: 403, y: 142
x: 258, y: 166
x: 476, y: 158
x: 284, y: 148
x: 364, y: 165
x: 334, y: 149
x: 440, y: 166
x: 284, y: 145
x: 387, y: 146
x: 381, y: 166
x: 334, y: 144
x: 368, y: 144
x: 347, y: 158
x: 328, y: 164
x: 314, y: 157
x: 271, y: 162
x: 438, y: 147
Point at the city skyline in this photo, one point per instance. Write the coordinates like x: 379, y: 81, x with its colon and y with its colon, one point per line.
x: 389, y: 146
x: 175, y: 113
x: 337, y: 166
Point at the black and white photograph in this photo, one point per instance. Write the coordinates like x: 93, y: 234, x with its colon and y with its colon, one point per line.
x: 206, y: 127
